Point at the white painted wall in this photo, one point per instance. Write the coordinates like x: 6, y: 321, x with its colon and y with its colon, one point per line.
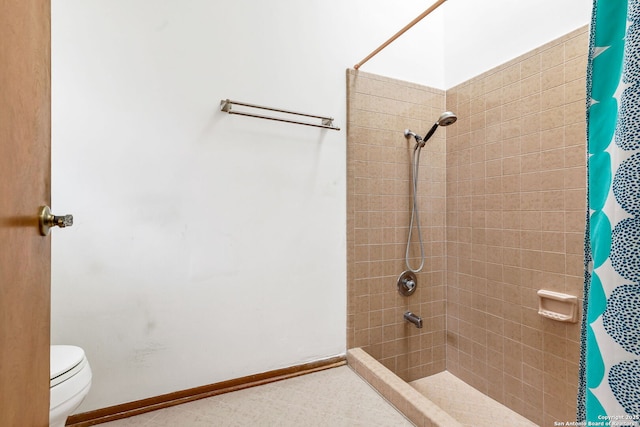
x: 207, y: 246
x: 480, y: 35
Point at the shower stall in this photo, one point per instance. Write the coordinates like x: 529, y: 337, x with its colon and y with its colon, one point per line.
x: 502, y: 208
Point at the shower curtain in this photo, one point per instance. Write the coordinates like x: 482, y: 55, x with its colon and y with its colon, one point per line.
x: 609, y: 389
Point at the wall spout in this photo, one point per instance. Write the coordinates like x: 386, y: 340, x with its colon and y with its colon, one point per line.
x: 415, y: 319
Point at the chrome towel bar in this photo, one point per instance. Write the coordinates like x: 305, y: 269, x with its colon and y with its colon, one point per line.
x: 326, y: 122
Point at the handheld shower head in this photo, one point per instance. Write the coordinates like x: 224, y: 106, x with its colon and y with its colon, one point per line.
x: 447, y: 118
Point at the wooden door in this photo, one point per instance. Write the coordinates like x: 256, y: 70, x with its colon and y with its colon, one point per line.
x: 25, y: 177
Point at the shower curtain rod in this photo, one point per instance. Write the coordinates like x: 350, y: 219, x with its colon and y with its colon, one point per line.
x: 327, y: 122
x: 399, y: 33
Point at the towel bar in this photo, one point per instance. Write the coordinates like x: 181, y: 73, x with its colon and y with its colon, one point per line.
x: 326, y: 122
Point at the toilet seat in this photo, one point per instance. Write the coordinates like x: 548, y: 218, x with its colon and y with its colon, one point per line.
x: 66, y: 361
x: 70, y: 381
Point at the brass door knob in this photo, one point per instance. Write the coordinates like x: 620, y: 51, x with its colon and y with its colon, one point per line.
x: 48, y: 220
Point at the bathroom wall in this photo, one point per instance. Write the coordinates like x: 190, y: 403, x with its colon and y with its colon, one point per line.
x: 481, y: 35
x: 205, y: 247
x: 378, y: 215
x: 515, y: 224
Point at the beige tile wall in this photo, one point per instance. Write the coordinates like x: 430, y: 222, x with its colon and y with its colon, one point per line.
x: 378, y: 214
x: 503, y: 205
x: 515, y: 224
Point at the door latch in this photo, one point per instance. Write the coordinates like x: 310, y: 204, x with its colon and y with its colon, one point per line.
x: 48, y: 220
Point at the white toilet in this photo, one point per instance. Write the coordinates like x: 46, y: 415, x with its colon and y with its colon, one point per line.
x: 70, y: 382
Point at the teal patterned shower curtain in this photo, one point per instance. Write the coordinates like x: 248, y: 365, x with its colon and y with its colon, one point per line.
x: 609, y: 389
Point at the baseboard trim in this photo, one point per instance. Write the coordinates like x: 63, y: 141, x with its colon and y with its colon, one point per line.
x: 138, y: 407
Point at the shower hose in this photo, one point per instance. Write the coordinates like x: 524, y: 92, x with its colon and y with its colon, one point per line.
x: 415, y: 214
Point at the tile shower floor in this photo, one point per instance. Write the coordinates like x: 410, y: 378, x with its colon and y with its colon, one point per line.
x: 466, y: 404
x: 333, y: 397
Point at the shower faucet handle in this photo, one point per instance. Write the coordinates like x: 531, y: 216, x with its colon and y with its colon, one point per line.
x: 407, y: 283
x: 410, y: 285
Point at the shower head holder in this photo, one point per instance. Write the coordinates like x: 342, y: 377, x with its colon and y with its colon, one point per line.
x: 408, y: 133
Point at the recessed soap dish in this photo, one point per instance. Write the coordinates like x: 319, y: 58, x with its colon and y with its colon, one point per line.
x: 558, y: 306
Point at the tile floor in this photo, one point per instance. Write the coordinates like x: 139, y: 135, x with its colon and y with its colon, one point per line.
x: 466, y: 404
x: 333, y: 397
